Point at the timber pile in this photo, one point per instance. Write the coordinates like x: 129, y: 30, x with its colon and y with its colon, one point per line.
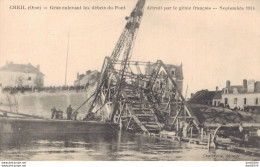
x: 218, y: 115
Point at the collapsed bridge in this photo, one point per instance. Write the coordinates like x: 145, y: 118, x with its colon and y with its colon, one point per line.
x: 138, y: 95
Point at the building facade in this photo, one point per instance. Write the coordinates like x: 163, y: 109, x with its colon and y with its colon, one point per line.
x: 206, y: 97
x: 175, y: 72
x: 217, y: 99
x: 21, y: 75
x: 242, y: 96
x: 163, y: 83
x: 89, y: 78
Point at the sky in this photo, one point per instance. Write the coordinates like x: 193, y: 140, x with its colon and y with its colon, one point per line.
x: 212, y: 46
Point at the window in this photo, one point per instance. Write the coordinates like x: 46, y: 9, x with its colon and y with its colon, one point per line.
x: 173, y: 73
x: 226, y: 101
x: 235, y: 100
x: 226, y: 91
x: 235, y: 90
x: 244, y: 100
x: 256, y: 101
x: 29, y: 78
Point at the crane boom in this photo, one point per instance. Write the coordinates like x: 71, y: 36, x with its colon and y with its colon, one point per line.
x: 126, y: 43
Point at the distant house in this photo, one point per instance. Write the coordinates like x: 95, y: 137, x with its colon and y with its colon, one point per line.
x: 21, y: 75
x: 217, y: 99
x: 241, y: 96
x: 89, y: 78
x: 175, y: 72
x: 206, y: 97
x: 161, y: 83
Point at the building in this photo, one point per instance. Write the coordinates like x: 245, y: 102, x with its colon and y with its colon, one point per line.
x: 217, y: 99
x: 163, y: 83
x: 21, y: 75
x: 207, y: 97
x: 89, y: 78
x: 242, y: 96
x: 175, y: 72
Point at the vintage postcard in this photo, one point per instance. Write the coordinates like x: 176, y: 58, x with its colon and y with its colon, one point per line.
x: 129, y: 80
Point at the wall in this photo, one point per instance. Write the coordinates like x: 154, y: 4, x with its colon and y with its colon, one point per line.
x: 40, y: 104
x: 88, y: 79
x: 216, y: 102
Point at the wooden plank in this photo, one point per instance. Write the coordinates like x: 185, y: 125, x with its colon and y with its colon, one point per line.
x: 26, y: 115
x: 244, y: 124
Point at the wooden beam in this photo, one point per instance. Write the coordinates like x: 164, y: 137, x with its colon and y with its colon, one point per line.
x: 26, y: 115
x: 244, y: 124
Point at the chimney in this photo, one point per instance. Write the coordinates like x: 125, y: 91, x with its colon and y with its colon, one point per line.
x: 192, y: 94
x: 77, y: 75
x: 6, y: 63
x: 245, y: 84
x: 216, y: 88
x: 227, y: 84
x: 251, y: 86
x: 148, y: 68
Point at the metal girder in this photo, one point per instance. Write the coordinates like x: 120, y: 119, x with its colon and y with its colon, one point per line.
x: 126, y: 43
x: 186, y: 105
x: 118, y: 78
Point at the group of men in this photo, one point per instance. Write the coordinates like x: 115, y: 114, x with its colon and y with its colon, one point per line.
x: 58, y: 114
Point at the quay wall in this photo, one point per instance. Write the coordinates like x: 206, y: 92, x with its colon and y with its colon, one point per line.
x: 40, y: 103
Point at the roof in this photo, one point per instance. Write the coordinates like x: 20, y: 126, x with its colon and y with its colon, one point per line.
x: 24, y: 68
x: 88, y: 73
x: 178, y: 69
x: 204, y: 96
x: 239, y: 88
x: 81, y: 76
x: 218, y: 95
x: 242, y: 90
x: 94, y: 72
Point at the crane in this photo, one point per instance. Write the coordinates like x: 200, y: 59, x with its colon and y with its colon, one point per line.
x: 129, y: 98
x: 125, y: 44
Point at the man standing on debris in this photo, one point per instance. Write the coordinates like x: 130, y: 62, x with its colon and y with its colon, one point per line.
x: 69, y: 112
x: 185, y: 129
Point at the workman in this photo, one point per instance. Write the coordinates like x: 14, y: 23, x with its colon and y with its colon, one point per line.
x: 69, y: 112
x: 54, y: 112
x: 75, y: 114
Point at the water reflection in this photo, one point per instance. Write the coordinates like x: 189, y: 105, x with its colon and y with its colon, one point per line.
x: 94, y: 147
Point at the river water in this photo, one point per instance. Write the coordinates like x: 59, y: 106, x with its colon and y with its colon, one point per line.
x: 91, y: 147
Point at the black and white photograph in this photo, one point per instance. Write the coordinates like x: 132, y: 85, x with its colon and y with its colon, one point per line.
x: 129, y: 80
